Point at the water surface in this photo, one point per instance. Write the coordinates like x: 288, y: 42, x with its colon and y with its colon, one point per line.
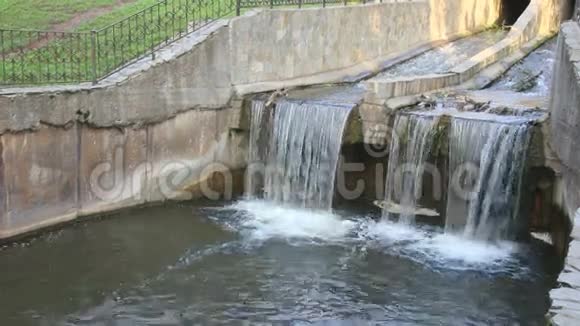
x: 254, y: 261
x: 442, y: 59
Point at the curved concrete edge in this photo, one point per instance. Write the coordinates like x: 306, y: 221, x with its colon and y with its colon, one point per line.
x: 6, y: 235
x: 538, y: 21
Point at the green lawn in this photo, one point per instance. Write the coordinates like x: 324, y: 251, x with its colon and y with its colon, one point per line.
x: 42, y: 14
x: 124, y: 34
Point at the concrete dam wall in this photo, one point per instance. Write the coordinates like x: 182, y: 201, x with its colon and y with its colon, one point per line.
x: 70, y: 151
x: 565, y: 119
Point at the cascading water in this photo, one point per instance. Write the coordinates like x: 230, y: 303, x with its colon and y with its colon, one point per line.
x: 256, y: 155
x: 486, y: 164
x: 302, y: 153
x: 412, y: 140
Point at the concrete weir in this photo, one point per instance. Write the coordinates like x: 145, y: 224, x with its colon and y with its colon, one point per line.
x: 182, y: 111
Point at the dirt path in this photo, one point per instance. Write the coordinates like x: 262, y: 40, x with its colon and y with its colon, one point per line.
x: 71, y: 25
x: 84, y: 16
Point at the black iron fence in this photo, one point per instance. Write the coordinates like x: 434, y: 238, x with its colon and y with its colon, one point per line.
x: 44, y: 57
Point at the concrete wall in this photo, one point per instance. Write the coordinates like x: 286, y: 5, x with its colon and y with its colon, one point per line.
x: 55, y: 174
x: 565, y: 101
x: 565, y: 140
x: 302, y: 43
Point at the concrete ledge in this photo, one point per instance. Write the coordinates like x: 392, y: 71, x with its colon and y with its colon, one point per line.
x: 404, y: 86
x: 351, y: 74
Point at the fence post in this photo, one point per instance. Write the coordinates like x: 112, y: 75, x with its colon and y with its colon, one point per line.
x: 3, y: 49
x: 323, y: 3
x: 346, y: 2
x: 153, y: 36
x: 271, y: 4
x: 238, y: 7
x: 94, y: 56
x: 299, y: 3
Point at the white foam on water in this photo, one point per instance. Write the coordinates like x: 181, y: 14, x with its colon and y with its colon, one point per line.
x: 386, y: 232
x: 443, y: 251
x: 260, y: 220
x: 461, y: 250
x: 263, y: 220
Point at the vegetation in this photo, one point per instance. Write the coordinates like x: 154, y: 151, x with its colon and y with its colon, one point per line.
x: 122, y: 35
x: 42, y: 14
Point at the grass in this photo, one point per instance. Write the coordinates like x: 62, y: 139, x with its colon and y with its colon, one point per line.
x: 124, y: 34
x: 42, y: 14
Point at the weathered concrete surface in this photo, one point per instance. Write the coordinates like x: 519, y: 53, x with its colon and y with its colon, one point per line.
x: 111, y: 158
x: 565, y: 308
x: 40, y: 172
x: 55, y: 174
x: 565, y: 101
x: 540, y: 20
x: 309, y: 41
x: 565, y: 133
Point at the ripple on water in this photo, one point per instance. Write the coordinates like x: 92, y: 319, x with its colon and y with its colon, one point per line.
x: 288, y: 265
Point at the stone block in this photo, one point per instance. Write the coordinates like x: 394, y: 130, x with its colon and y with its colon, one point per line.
x: 566, y: 318
x: 574, y: 250
x: 565, y: 294
x: 571, y: 278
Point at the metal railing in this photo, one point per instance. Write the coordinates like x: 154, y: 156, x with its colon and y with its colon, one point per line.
x: 29, y: 57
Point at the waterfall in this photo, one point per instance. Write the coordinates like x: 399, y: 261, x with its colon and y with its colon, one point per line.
x: 411, y: 143
x: 301, y: 154
x: 258, y: 135
x: 486, y: 164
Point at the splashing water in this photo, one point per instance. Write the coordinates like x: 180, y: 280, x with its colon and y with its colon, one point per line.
x: 260, y: 221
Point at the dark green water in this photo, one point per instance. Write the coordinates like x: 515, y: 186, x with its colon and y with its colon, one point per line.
x: 259, y: 263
